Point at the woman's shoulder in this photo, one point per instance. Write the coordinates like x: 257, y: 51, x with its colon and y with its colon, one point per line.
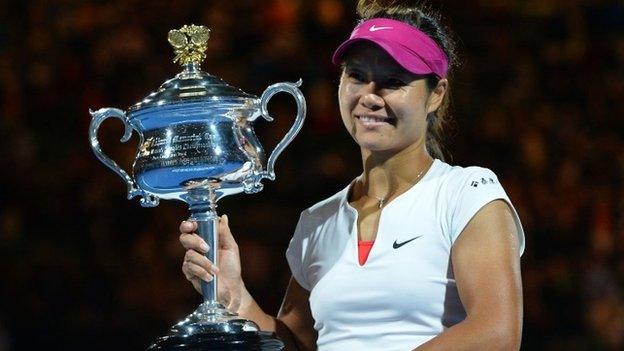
x: 454, y: 176
x: 468, y: 189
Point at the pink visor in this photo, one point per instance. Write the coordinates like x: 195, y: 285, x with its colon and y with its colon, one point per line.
x: 412, y: 49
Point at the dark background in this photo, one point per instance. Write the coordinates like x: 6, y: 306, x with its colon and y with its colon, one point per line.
x: 538, y: 99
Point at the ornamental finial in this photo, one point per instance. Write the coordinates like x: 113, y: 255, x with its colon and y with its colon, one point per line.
x: 189, y: 43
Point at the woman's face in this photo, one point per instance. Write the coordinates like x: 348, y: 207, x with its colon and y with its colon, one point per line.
x: 383, y: 106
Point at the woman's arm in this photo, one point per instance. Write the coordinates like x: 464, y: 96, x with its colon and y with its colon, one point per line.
x: 486, y: 265
x: 294, y: 324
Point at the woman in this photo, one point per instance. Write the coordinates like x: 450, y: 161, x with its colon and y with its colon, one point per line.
x: 414, y: 253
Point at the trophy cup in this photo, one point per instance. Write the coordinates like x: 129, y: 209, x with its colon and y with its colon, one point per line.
x: 197, y: 145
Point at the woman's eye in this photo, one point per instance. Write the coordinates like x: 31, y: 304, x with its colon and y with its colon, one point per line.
x: 394, y: 83
x: 356, y: 76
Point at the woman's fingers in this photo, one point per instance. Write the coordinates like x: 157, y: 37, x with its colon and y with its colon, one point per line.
x: 188, y: 227
x: 194, y: 242
x: 196, y: 265
x: 200, y: 260
x: 189, y: 239
x: 193, y: 271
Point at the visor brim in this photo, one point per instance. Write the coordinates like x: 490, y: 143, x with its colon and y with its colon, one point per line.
x: 402, y: 55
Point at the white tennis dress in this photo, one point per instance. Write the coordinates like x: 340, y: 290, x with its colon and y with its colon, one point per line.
x: 405, y: 293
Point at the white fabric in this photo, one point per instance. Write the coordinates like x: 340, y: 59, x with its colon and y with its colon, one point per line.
x: 401, y: 297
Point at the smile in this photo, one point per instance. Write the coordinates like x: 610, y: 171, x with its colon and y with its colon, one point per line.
x: 374, y: 121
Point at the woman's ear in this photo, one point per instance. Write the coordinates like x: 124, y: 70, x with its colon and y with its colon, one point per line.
x: 437, y: 96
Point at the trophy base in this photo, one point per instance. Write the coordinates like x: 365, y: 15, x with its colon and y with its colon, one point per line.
x: 243, y: 341
x: 212, y: 327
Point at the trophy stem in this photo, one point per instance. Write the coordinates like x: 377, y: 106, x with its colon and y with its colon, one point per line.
x: 207, y: 227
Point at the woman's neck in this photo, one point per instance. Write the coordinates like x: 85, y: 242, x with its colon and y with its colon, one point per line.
x: 386, y: 175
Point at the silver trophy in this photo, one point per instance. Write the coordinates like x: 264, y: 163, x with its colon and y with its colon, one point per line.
x: 197, y: 144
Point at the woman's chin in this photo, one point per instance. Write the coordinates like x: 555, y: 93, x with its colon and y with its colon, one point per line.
x: 375, y: 146
x: 387, y: 147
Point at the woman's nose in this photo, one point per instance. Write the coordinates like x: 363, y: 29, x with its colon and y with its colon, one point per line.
x: 370, y: 97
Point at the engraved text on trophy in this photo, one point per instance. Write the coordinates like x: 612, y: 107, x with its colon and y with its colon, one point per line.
x: 189, y: 147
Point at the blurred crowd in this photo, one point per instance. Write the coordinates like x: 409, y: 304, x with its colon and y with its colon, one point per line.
x: 539, y: 99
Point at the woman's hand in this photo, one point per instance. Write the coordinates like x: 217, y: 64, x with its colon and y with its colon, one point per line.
x: 295, y: 325
x: 197, y: 267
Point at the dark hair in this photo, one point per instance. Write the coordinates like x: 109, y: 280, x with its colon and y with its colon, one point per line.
x: 429, y: 22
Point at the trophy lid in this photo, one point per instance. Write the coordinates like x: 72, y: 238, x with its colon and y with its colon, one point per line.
x: 192, y: 84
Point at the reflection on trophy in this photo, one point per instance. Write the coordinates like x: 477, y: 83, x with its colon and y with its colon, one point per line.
x: 197, y: 145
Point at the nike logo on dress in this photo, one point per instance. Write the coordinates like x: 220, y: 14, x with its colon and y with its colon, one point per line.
x: 374, y: 29
x: 397, y: 245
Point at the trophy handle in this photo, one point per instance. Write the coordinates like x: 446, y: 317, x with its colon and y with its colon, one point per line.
x: 147, y: 200
x: 292, y: 89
